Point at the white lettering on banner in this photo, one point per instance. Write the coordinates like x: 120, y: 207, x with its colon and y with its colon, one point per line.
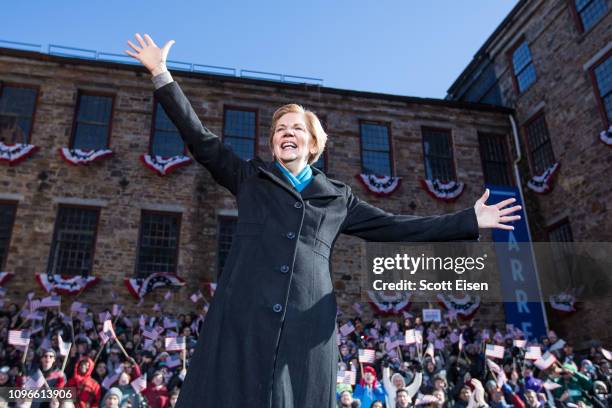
x: 512, y: 243
x: 517, y: 270
x: 521, y: 301
x: 526, y: 327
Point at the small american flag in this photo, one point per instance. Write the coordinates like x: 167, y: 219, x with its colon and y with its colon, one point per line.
x: 533, y: 353
x: 128, y: 322
x: 140, y: 383
x: 38, y: 315
x: 196, y: 296
x: 357, y: 308
x: 34, y: 304
x: 35, y: 381
x: 109, y: 380
x: 494, y: 351
x: 549, y: 385
x: 544, y: 362
x: 347, y: 377
x: 367, y: 356
x: 169, y: 323
x: 51, y: 301
x: 78, y: 307
x: 175, y: 343
x: 213, y: 288
x: 168, y: 295
x: 107, y: 332
x: 64, y: 347
x: 429, y: 351
x: 150, y: 333
x: 347, y: 329
x: 606, y: 354
x: 19, y: 338
x: 156, y: 307
x: 104, y: 316
x: 520, y: 343
x: 173, y: 361
x: 494, y: 367
x: 410, y: 336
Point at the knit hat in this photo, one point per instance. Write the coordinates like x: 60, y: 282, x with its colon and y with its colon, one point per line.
x: 114, y: 391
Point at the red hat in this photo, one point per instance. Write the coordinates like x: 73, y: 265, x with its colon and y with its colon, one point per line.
x: 369, y: 369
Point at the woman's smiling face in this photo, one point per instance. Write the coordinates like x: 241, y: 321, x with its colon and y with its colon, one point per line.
x: 291, y: 141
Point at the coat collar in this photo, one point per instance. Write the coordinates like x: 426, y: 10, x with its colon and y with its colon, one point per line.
x: 318, y: 187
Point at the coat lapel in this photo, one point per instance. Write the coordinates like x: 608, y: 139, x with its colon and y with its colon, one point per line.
x: 318, y: 187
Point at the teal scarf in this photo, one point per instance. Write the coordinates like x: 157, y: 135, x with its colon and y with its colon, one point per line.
x: 301, y: 181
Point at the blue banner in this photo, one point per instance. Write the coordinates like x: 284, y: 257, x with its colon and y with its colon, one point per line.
x: 517, y: 267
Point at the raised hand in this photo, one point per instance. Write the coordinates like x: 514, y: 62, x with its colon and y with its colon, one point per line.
x: 149, y: 54
x: 493, y: 216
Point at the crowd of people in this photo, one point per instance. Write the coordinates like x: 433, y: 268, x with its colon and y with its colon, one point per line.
x: 109, y: 359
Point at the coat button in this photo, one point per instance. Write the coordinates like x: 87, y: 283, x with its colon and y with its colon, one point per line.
x: 277, y: 308
x: 297, y: 204
x: 284, y: 268
x: 291, y: 235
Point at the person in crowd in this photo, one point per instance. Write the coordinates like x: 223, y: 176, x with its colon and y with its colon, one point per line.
x: 369, y: 389
x: 88, y: 391
x: 156, y: 392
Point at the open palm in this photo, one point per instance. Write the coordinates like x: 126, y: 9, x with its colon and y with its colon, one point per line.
x: 149, y: 54
x: 494, y: 216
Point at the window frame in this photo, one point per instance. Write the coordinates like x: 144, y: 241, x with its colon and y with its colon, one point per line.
x: 36, y: 101
x: 578, y: 19
x: 525, y: 126
x: 549, y: 229
x: 15, y: 205
x: 242, y: 109
x: 218, y: 269
x: 153, y: 128
x: 95, y: 234
x: 509, y: 54
x: 600, y: 105
x: 391, y: 147
x: 81, y: 92
x: 506, y: 154
x: 179, y: 216
x: 451, y: 145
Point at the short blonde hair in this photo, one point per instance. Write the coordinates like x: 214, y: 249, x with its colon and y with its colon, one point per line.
x: 313, y: 125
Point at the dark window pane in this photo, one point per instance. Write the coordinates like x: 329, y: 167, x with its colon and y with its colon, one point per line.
x: 7, y: 218
x: 603, y: 76
x: 591, y: 11
x: 16, y: 111
x: 167, y: 141
x: 93, y: 120
x: 524, y: 70
x: 227, y: 227
x: 540, y: 146
x: 495, y: 160
x: 375, y: 149
x: 158, y: 244
x: 561, y: 233
x: 73, y: 241
x: 438, y: 155
x: 239, y: 131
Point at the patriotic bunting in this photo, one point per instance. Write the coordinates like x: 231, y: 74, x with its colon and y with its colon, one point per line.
x: 14, y: 154
x: 164, y: 165
x: 65, y: 285
x: 5, y: 277
x: 390, y: 304
x: 139, y: 288
x: 542, y: 184
x: 563, y: 302
x: 465, y: 308
x: 606, y: 136
x: 381, y: 186
x: 448, y: 192
x: 78, y: 157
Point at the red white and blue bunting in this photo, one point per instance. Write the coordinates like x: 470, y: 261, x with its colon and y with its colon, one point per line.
x: 65, y: 285
x: 448, y: 192
x: 606, y: 136
x: 164, y: 165
x: 14, y: 154
x: 77, y: 156
x: 563, y: 302
x: 465, y: 308
x: 389, y: 303
x: 5, y: 277
x: 542, y: 184
x: 381, y: 186
x: 140, y: 287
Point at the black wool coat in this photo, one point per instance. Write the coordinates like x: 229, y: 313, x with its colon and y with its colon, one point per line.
x: 269, y: 339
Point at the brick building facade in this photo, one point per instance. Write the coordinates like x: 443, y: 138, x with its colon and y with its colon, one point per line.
x: 551, y: 61
x: 131, y: 221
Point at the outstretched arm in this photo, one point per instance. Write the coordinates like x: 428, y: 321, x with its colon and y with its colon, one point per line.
x: 226, y: 167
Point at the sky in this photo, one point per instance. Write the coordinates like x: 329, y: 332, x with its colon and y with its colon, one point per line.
x: 402, y: 47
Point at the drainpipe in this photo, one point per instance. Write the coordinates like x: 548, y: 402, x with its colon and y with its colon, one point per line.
x: 517, y: 178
